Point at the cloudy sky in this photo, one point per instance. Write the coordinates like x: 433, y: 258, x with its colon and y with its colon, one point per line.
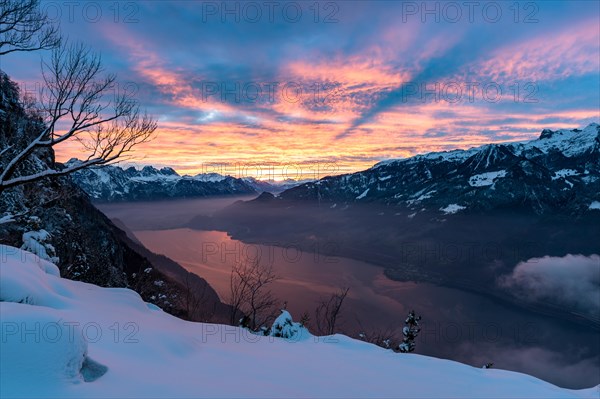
x: 337, y: 86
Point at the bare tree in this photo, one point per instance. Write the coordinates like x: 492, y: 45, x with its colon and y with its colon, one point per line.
x: 249, y: 293
x: 385, y: 337
x: 194, y: 300
x: 80, y: 97
x: 24, y: 27
x: 328, y: 312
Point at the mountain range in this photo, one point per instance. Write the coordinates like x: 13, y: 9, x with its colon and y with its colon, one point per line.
x: 117, y: 184
x: 559, y: 173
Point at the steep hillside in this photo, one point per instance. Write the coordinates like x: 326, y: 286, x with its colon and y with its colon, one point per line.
x: 55, y: 218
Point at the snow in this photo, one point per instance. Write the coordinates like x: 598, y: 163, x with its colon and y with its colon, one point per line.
x: 210, y: 177
x: 102, y: 175
x: 421, y: 196
x: 285, y: 327
x: 569, y: 142
x: 363, y: 195
x: 486, y: 179
x: 48, y: 358
x: 426, y: 195
x: 156, y: 178
x: 442, y: 156
x: 595, y: 205
x: 35, y: 242
x: 72, y: 333
x: 452, y: 208
x: 7, y: 218
x: 564, y: 173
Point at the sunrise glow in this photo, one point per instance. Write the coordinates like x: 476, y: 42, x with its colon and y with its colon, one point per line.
x: 376, y: 82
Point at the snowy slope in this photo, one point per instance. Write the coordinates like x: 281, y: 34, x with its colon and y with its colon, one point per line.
x: 62, y: 338
x: 570, y: 142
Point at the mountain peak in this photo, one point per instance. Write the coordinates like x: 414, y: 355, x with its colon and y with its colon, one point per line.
x: 265, y: 197
x: 148, y: 171
x: 546, y: 134
x: 569, y: 142
x: 592, y: 128
x: 168, y: 171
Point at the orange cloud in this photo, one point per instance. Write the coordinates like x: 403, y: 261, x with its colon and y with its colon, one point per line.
x: 291, y: 135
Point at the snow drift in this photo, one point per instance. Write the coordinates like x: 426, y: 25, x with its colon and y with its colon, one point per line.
x: 61, y: 338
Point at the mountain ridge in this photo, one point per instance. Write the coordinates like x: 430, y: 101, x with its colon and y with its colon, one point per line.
x: 117, y: 184
x: 559, y: 171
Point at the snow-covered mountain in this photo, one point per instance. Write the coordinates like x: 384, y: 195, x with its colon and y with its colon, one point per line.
x: 274, y: 186
x: 62, y: 338
x: 113, y: 183
x: 558, y: 172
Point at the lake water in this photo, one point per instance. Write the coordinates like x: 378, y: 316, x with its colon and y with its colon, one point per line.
x: 456, y: 325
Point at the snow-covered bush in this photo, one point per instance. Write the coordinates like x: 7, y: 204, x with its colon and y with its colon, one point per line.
x: 285, y: 327
x: 25, y: 278
x: 36, y: 241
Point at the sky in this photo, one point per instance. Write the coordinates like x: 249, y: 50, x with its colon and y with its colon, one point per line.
x: 303, y: 89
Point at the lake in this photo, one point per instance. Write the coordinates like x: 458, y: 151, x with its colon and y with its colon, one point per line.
x: 456, y: 325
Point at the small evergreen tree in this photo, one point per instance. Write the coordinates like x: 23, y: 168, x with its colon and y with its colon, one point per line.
x: 410, y: 331
x: 285, y: 327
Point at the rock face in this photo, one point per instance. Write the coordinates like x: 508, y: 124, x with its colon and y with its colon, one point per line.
x: 557, y: 173
x: 113, y: 184
x: 89, y: 247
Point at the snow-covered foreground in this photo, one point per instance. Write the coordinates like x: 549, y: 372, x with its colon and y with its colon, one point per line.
x: 61, y: 338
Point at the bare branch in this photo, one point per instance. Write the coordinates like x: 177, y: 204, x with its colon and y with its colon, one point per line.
x: 5, y: 150
x: 77, y: 94
x: 24, y: 27
x: 249, y: 293
x: 328, y: 312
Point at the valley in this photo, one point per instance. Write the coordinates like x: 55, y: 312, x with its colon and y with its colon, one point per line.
x: 460, y: 324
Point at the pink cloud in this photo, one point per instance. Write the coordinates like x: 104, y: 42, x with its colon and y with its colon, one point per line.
x: 570, y: 52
